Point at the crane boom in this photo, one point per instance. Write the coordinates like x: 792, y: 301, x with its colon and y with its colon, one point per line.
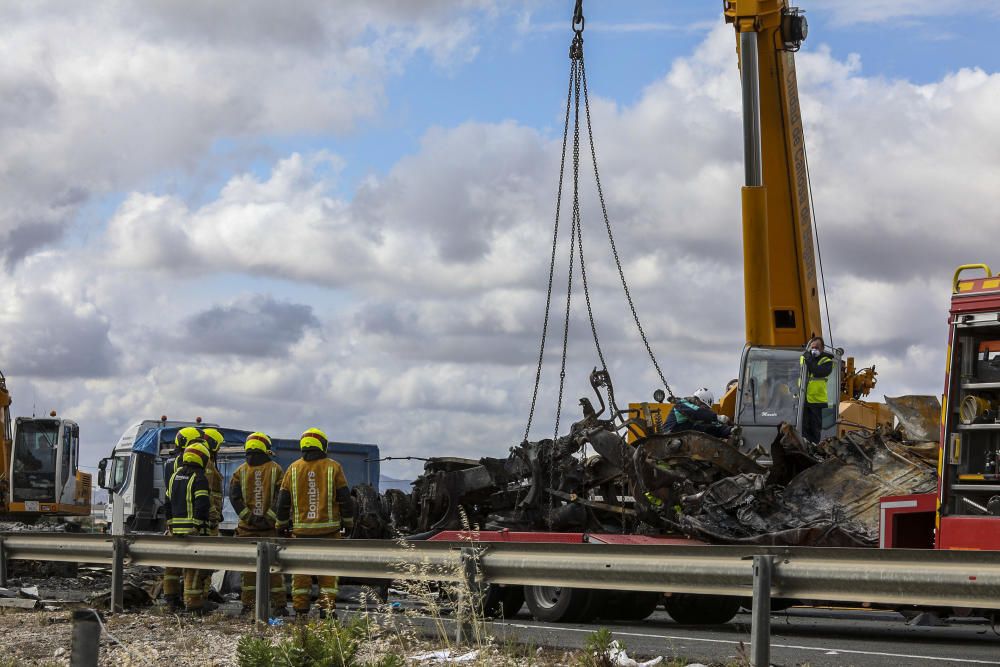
x: 780, y: 278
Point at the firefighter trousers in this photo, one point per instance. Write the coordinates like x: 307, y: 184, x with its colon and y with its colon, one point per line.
x: 206, y: 575
x: 248, y: 580
x: 172, y: 583
x: 194, y: 588
x: 302, y: 584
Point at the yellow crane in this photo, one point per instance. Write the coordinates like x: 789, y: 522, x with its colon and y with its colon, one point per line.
x: 781, y: 273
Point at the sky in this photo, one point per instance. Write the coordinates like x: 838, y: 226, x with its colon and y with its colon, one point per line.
x: 339, y: 215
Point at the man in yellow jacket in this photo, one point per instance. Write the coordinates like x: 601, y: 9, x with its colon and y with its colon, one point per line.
x: 314, y: 502
x: 253, y: 491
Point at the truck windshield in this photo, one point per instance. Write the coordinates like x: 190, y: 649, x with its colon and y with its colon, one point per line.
x: 769, y: 389
x: 35, y: 460
x: 119, y: 471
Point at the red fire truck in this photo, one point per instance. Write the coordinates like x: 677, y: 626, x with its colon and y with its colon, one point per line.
x: 965, y: 511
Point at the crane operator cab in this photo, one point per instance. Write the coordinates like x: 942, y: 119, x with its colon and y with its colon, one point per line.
x: 771, y: 391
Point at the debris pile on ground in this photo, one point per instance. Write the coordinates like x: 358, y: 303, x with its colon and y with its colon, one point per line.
x: 39, y: 527
x: 140, y: 588
x: 91, y: 586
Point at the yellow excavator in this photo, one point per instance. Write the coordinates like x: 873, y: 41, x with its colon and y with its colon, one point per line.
x: 780, y: 269
x: 39, y: 466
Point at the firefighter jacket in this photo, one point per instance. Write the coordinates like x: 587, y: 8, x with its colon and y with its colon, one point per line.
x: 172, y: 463
x: 818, y: 369
x: 312, y: 494
x: 187, y: 507
x: 253, y: 491
x: 215, y: 485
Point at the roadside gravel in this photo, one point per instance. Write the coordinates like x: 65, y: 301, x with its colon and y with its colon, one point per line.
x: 151, y: 638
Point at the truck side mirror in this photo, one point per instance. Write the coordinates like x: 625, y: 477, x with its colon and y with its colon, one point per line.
x: 102, y: 467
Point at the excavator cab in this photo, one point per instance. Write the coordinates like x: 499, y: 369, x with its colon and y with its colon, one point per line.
x: 770, y: 393
x: 44, y: 468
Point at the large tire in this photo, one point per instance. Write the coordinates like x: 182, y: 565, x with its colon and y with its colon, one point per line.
x: 689, y: 609
x: 560, y: 605
x: 626, y: 605
x: 502, y: 601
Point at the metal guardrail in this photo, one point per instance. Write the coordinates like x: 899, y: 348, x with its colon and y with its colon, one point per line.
x: 884, y: 576
x: 900, y: 577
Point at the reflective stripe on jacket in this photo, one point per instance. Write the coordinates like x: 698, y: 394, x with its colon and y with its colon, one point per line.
x: 313, y: 488
x: 258, y: 492
x: 816, y: 385
x: 188, y: 505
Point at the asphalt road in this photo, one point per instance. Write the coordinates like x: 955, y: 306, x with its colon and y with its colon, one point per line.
x: 798, y: 637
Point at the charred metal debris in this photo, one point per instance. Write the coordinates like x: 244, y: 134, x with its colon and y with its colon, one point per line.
x: 619, y: 473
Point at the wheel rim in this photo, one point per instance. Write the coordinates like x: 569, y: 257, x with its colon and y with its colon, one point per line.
x: 544, y: 597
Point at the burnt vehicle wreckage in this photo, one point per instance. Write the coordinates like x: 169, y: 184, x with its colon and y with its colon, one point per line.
x: 598, y: 479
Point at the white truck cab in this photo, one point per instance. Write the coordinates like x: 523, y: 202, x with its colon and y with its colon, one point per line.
x: 135, y: 479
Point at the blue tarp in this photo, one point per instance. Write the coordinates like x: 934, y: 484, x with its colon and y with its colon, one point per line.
x: 148, y: 442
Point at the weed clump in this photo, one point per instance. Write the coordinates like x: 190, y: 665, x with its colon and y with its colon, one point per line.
x: 326, y: 643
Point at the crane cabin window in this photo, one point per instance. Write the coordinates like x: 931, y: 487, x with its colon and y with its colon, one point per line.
x: 769, y: 391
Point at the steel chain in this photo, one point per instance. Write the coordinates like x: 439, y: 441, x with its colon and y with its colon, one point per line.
x: 572, y: 243
x: 552, y: 261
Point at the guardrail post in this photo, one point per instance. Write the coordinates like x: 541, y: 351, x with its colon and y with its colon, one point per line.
x: 3, y: 563
x: 265, y: 554
x: 85, y: 645
x: 118, y: 549
x: 760, y: 629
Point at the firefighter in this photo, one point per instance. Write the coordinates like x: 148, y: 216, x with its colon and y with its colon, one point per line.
x: 172, y: 575
x: 695, y: 413
x: 214, y: 440
x: 314, y: 502
x: 188, y: 510
x: 819, y: 365
x: 253, y: 491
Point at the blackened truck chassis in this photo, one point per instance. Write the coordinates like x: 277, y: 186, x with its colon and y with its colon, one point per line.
x: 593, y: 485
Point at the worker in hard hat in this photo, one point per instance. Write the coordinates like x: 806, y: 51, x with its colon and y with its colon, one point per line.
x: 253, y: 491
x: 314, y: 502
x: 818, y: 366
x: 188, y: 509
x: 172, y: 575
x: 695, y: 413
x: 216, y: 484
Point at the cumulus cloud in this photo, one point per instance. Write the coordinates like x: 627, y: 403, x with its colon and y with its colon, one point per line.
x: 256, y: 326
x: 94, y: 100
x: 49, y: 337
